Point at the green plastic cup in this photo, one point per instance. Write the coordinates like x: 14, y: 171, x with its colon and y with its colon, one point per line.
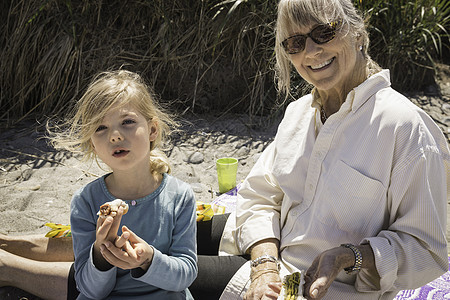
x: 226, y: 173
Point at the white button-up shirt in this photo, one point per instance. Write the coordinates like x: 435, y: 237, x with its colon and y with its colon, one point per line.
x: 376, y: 172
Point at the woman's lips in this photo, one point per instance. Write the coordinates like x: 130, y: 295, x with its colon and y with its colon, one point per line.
x: 322, y: 66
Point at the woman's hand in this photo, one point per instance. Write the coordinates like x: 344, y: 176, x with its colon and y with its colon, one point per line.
x: 322, y: 273
x: 128, y: 252
x: 265, y: 286
x: 329, y: 263
x: 265, y: 275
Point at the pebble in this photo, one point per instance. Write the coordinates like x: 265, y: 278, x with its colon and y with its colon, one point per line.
x: 446, y: 107
x: 36, y: 187
x: 242, y: 151
x: 196, y: 158
x: 222, y: 139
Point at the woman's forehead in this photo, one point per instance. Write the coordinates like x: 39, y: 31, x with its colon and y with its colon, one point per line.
x: 300, y: 15
x: 302, y: 28
x: 301, y: 25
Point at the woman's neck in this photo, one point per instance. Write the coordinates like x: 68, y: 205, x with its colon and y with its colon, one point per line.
x: 333, y: 99
x: 128, y: 186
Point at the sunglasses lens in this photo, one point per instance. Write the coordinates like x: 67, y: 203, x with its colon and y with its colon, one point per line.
x: 322, y: 34
x: 294, y: 44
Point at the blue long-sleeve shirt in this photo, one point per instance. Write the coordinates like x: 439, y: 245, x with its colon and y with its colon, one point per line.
x: 165, y: 219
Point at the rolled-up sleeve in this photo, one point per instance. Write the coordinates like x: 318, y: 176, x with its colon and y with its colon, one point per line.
x: 259, y: 218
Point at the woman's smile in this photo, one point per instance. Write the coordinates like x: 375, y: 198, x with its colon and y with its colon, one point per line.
x: 322, y: 66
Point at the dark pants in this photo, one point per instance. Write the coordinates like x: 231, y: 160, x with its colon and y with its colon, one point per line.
x: 214, y: 271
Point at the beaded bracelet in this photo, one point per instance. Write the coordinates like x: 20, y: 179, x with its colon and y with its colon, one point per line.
x: 263, y: 259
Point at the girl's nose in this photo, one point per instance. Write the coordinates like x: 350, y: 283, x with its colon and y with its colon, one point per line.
x: 115, y: 136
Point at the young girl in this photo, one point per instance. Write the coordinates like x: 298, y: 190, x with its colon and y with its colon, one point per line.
x: 149, y: 252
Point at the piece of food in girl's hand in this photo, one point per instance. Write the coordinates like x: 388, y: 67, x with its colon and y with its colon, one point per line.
x: 111, y: 208
x: 292, y: 287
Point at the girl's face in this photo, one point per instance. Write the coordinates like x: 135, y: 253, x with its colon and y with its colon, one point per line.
x: 122, y: 140
x: 327, y: 66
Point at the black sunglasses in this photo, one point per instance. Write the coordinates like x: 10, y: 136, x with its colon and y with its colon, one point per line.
x: 320, y: 34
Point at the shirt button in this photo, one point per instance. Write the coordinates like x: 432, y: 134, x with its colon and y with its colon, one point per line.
x: 311, y: 187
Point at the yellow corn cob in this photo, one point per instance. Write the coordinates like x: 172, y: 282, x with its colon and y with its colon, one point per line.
x: 291, y: 284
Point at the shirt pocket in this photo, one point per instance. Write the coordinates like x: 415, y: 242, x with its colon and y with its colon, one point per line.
x: 349, y: 199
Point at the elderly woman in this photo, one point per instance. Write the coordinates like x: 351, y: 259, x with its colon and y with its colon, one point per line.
x: 353, y: 191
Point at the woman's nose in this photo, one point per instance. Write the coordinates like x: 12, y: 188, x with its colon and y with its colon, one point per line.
x: 311, y: 48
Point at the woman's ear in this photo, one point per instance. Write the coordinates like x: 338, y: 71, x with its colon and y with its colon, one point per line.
x: 359, y: 41
x: 153, y: 129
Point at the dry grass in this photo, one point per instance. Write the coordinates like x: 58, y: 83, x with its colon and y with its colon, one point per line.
x: 200, y: 56
x: 187, y: 50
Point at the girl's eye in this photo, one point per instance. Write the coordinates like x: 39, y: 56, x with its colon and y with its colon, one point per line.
x: 100, y: 128
x: 128, y: 121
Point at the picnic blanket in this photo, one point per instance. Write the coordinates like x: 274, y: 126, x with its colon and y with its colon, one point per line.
x: 438, y: 289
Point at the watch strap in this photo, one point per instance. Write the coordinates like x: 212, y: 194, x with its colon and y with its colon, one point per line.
x: 358, y: 259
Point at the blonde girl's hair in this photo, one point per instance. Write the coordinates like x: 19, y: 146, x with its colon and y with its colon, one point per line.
x: 107, y: 90
x: 294, y: 14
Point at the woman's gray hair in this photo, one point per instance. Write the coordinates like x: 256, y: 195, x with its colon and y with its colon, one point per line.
x: 294, y: 14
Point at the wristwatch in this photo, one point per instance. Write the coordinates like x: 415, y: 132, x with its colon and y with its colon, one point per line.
x: 358, y: 259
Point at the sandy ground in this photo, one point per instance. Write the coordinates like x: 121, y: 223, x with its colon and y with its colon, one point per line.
x: 37, y: 182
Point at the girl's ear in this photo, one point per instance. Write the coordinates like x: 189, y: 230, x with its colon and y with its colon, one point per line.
x: 153, y: 129
x: 93, y: 147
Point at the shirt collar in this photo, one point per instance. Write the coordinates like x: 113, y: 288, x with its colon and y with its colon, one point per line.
x: 360, y: 94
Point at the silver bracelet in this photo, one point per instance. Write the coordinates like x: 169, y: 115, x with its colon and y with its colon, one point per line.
x: 358, y: 259
x: 263, y: 259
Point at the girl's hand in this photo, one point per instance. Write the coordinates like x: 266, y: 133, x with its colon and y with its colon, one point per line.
x: 266, y: 286
x: 106, y: 231
x: 128, y: 252
x: 107, y: 228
